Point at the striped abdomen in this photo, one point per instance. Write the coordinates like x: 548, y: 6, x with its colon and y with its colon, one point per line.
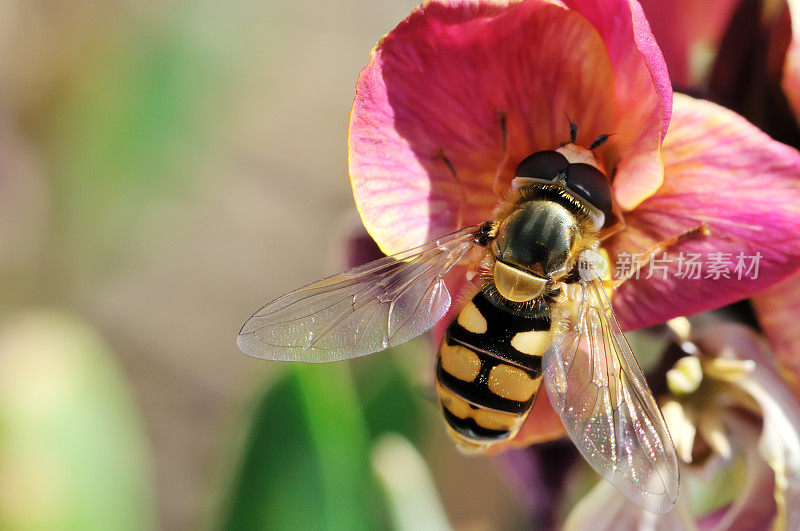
x: 489, y: 370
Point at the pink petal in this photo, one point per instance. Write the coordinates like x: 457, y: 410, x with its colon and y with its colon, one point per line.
x: 438, y: 81
x: 777, y: 310
x: 542, y: 425
x: 778, y: 443
x: 688, y: 32
x: 535, y: 474
x: 791, y: 65
x: 721, y: 170
x: 604, y: 508
x: 642, y: 91
x: 755, y: 504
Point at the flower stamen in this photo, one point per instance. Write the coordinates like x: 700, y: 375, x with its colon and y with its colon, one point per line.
x: 462, y: 191
x: 502, y: 116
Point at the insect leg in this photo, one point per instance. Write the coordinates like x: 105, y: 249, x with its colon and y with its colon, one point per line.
x: 700, y: 230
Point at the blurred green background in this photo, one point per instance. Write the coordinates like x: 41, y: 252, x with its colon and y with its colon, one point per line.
x: 165, y: 168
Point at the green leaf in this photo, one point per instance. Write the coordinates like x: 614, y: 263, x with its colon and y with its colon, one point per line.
x: 408, y: 485
x: 306, y: 463
x: 72, y: 452
x: 133, y: 122
x: 392, y: 403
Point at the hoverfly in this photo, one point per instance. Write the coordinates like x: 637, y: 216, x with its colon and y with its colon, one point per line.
x: 538, y: 310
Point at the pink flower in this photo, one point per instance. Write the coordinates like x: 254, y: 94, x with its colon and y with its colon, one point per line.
x: 731, y: 416
x: 731, y: 48
x: 791, y: 66
x: 689, y: 34
x: 744, y: 55
x: 427, y: 154
x: 736, y: 429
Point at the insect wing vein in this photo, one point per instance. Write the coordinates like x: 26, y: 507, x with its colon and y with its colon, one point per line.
x: 602, y: 397
x: 360, y: 311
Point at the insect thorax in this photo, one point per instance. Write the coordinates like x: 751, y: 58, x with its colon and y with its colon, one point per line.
x: 536, y: 244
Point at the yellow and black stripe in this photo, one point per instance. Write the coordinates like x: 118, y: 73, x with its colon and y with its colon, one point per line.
x: 489, y: 369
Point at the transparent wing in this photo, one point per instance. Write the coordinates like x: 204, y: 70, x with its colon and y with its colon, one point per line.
x: 363, y: 310
x: 600, y: 393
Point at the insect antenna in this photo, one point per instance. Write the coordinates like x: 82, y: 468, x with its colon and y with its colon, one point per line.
x: 600, y: 140
x: 573, y: 129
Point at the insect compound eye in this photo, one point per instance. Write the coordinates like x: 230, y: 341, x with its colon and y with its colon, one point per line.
x: 590, y: 183
x: 542, y: 165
